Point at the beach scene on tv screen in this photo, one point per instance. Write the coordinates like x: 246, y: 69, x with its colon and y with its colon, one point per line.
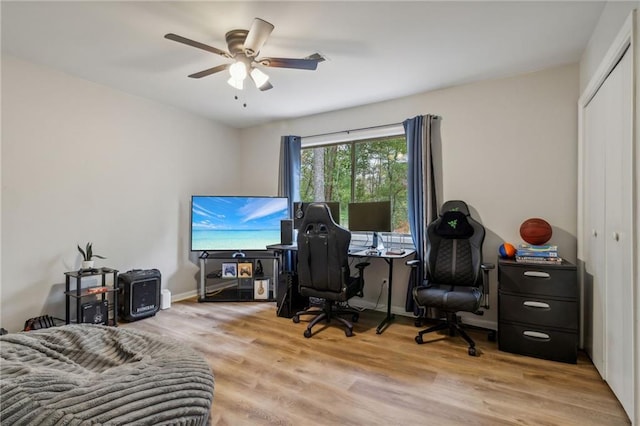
x: 236, y: 223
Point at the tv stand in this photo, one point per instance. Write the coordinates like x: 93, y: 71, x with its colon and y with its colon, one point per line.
x: 238, y: 276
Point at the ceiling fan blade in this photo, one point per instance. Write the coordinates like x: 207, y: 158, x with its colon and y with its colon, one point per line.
x: 316, y: 57
x: 197, y: 44
x: 300, y: 64
x: 258, y: 34
x: 210, y: 71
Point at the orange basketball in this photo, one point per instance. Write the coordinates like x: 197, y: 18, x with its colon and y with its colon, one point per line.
x: 535, y: 231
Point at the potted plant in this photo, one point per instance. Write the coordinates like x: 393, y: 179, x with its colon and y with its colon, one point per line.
x: 88, y: 255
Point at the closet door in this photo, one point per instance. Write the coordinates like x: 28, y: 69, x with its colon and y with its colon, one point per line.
x: 618, y: 232
x: 594, y: 233
x: 608, y: 229
x: 608, y: 211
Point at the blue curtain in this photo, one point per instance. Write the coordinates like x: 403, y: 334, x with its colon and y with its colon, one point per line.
x: 423, y: 184
x: 289, y: 179
x: 289, y: 176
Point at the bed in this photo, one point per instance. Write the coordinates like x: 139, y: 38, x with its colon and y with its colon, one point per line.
x: 89, y: 374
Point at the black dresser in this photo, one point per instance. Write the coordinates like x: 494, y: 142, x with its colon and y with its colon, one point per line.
x: 538, y: 310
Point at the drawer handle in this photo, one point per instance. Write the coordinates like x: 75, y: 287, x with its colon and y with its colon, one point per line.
x: 534, y: 304
x: 536, y: 335
x: 537, y: 274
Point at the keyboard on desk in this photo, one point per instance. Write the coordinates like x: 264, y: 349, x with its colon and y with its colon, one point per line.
x: 366, y: 251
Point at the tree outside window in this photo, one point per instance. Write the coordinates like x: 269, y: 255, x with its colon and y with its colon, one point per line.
x: 358, y: 171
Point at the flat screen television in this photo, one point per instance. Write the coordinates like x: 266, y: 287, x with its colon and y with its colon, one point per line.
x: 299, y: 210
x: 236, y: 223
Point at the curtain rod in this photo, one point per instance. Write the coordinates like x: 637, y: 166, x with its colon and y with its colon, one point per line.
x: 352, y: 130
x: 361, y: 129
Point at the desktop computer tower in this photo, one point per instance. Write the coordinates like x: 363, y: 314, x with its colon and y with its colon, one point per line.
x: 289, y: 301
x: 139, y: 294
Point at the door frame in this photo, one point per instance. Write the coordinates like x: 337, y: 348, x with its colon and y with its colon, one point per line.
x: 627, y: 38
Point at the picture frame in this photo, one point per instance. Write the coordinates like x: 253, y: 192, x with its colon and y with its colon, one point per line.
x: 261, y: 289
x: 229, y: 270
x: 245, y: 269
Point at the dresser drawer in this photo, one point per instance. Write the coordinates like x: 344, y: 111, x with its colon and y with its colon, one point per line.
x: 539, y: 311
x: 538, y: 342
x: 543, y: 280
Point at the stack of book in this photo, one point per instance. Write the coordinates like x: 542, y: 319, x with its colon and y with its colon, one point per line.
x: 528, y: 253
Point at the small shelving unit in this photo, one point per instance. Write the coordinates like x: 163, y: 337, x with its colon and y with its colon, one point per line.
x: 91, y: 301
x: 225, y: 278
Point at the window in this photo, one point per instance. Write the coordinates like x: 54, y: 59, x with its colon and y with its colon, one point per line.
x: 373, y: 169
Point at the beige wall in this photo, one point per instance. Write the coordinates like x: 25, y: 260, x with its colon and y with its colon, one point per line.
x: 613, y: 16
x: 82, y: 162
x: 509, y: 151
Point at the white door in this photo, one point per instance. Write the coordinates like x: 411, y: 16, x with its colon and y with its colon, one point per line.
x: 594, y: 233
x: 608, y: 207
x: 618, y: 229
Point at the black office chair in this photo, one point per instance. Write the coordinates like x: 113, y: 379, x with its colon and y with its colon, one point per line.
x: 456, y: 279
x: 323, y: 268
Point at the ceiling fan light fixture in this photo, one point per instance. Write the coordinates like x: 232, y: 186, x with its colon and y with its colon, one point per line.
x: 238, y: 70
x: 259, y: 78
x: 243, y: 48
x: 236, y: 84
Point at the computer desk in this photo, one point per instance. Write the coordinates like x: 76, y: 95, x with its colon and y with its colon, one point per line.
x: 389, y: 258
x: 363, y: 253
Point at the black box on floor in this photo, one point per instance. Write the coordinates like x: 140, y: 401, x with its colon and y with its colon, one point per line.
x: 96, y: 312
x: 289, y: 299
x: 139, y: 293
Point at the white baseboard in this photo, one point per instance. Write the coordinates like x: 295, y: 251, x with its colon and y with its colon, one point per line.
x: 183, y: 296
x: 359, y: 303
x: 469, y: 319
x: 477, y: 321
x: 397, y: 310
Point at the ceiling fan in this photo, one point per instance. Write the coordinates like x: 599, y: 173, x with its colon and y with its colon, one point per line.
x: 244, y: 47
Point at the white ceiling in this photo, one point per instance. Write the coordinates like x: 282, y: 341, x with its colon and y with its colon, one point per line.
x: 375, y: 50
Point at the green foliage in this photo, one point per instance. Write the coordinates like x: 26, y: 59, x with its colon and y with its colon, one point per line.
x: 87, y: 253
x: 370, y: 170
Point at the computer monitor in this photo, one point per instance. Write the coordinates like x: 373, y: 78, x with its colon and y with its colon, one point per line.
x: 299, y: 210
x: 373, y: 217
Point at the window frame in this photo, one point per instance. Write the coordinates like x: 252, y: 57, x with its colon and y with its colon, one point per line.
x: 352, y: 137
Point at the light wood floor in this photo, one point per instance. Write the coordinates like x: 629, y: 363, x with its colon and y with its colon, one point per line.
x: 267, y: 373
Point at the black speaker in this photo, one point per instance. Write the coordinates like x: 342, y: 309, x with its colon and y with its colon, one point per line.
x: 96, y: 312
x: 286, y: 232
x: 289, y: 299
x: 140, y: 294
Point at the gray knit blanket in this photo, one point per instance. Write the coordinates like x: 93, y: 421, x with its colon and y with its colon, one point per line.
x: 91, y: 374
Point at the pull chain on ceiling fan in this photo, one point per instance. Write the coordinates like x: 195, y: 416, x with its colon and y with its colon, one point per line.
x: 244, y: 47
